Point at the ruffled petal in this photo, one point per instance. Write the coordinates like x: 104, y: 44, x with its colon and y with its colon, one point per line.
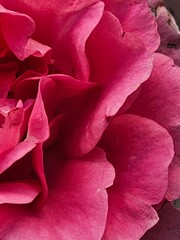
x: 159, y: 100
x: 72, y: 20
x: 132, y: 16
x: 118, y: 70
x: 16, y: 28
x: 76, y: 207
x: 140, y: 151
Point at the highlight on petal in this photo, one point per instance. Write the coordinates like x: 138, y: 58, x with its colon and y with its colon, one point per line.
x: 18, y: 192
x: 76, y: 207
x: 140, y: 151
x: 159, y: 100
x: 7, y: 75
x: 122, y: 64
x: 38, y: 128
x: 168, y: 226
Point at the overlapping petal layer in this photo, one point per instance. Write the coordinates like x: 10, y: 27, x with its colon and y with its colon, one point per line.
x: 132, y: 16
x: 159, y: 100
x: 122, y: 58
x: 76, y: 207
x: 140, y: 151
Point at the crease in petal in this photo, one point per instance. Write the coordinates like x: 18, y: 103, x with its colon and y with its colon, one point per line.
x: 122, y: 74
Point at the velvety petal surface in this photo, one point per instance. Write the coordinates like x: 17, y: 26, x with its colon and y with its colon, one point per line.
x: 72, y: 20
x: 38, y: 128
x: 168, y: 226
x: 122, y: 64
x: 76, y: 207
x: 132, y: 16
x: 16, y: 28
x: 140, y: 151
x: 159, y: 100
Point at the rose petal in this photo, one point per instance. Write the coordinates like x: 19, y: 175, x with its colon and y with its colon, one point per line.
x: 16, y: 28
x: 10, y: 131
x: 34, y: 48
x: 38, y: 164
x: 60, y: 87
x: 122, y: 64
x: 62, y: 17
x: 132, y: 16
x: 76, y: 207
x: 168, y: 226
x: 18, y: 192
x: 7, y: 75
x: 38, y: 128
x: 140, y: 151
x: 159, y: 100
x: 72, y: 39
x: 16, y: 153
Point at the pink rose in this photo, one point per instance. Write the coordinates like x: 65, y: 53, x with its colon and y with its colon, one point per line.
x: 89, y: 120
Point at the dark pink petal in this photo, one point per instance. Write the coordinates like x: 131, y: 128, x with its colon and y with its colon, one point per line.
x: 16, y: 28
x: 168, y: 226
x: 68, y: 24
x: 76, y: 207
x: 38, y: 128
x: 118, y: 70
x: 140, y: 151
x: 54, y: 89
x: 36, y: 49
x: 61, y: 87
x: 7, y: 75
x: 15, y: 154
x: 38, y: 164
x: 71, y: 43
x: 18, y: 192
x: 10, y: 130
x: 132, y: 16
x: 169, y: 33
x: 159, y: 100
